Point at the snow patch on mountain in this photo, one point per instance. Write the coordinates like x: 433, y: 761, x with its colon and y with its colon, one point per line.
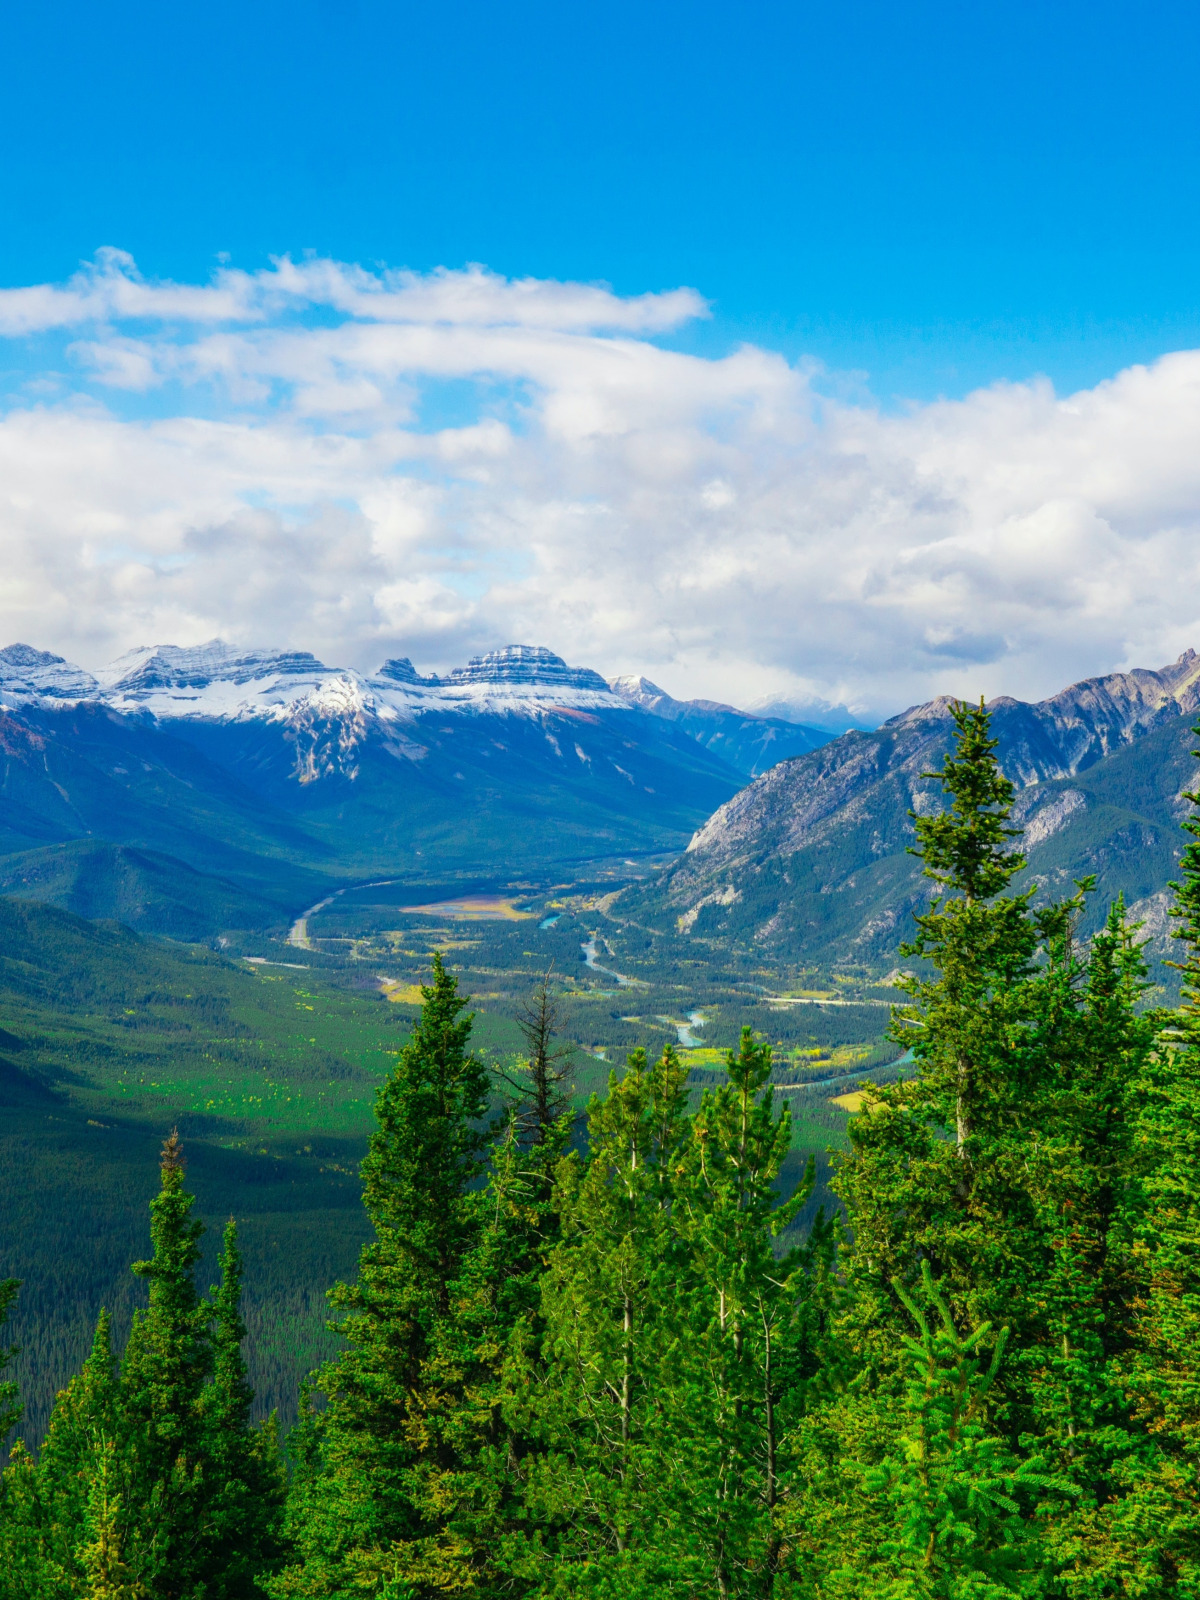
x: 218, y: 682
x: 29, y: 674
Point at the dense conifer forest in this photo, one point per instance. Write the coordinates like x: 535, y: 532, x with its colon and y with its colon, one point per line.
x: 617, y: 1366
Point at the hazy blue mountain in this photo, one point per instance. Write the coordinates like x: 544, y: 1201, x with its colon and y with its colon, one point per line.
x: 811, y: 858
x: 748, y: 742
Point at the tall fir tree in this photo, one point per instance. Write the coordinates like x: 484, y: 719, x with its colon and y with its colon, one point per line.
x: 166, y: 1364
x: 750, y: 1315
x: 496, y: 1328
x: 1151, y: 1535
x: 374, y: 1479
x: 152, y: 1482
x: 80, y: 1442
x: 248, y: 1483
x: 1008, y: 1162
x: 598, y: 1488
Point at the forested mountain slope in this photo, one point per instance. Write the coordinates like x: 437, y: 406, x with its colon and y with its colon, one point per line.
x: 812, y: 858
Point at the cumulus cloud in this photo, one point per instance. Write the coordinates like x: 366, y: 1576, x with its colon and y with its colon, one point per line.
x: 367, y: 463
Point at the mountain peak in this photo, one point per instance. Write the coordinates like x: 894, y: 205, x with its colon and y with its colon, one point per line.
x: 399, y: 669
x: 26, y: 673
x: 526, y: 663
x: 170, y: 666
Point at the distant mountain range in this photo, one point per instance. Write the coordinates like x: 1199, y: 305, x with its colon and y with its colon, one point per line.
x: 193, y: 788
x: 810, y: 860
x: 749, y: 743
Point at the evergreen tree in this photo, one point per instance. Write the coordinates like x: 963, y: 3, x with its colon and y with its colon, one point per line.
x: 152, y: 1483
x: 1151, y: 1536
x: 496, y: 1328
x: 244, y: 1464
x: 374, y: 1478
x: 80, y: 1442
x: 1008, y: 1163
x: 749, y: 1318
x: 162, y: 1439
x: 599, y: 1487
x: 23, y: 1569
x: 1019, y: 1111
x: 107, y: 1576
x: 947, y: 1493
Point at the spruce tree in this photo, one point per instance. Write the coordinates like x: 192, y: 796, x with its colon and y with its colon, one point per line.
x: 244, y: 1514
x: 81, y: 1439
x: 490, y: 1346
x: 1152, y: 1534
x: 599, y: 1487
x: 374, y: 1469
x: 938, y: 1514
x: 1018, y: 1113
x: 1008, y: 1163
x: 152, y: 1482
x: 165, y: 1366
x: 749, y: 1318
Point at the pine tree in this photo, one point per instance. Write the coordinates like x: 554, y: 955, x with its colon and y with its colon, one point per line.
x: 81, y: 1438
x: 948, y: 1493
x: 598, y: 1488
x: 107, y: 1576
x: 374, y: 1470
x: 1151, y: 1535
x: 244, y: 1466
x: 23, y: 1567
x: 152, y: 1483
x: 1008, y: 1164
x: 163, y: 1372
x: 748, y: 1318
x: 496, y: 1328
x: 1026, y: 1062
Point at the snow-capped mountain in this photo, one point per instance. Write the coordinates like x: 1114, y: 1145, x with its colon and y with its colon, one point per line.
x: 27, y: 674
x: 240, y: 761
x: 217, y: 681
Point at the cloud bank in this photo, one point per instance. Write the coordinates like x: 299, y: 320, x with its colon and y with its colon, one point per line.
x: 377, y: 463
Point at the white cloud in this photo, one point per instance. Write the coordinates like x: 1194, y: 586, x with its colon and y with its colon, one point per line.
x: 365, y: 463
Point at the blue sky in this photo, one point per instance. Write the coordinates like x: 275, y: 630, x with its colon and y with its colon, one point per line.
x: 935, y: 195
x: 895, y: 390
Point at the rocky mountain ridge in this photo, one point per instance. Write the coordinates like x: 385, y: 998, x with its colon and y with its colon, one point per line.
x: 219, y: 681
x: 748, y: 742
x: 812, y: 855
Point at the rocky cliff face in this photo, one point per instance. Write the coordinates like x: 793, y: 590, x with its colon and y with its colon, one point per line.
x: 813, y: 854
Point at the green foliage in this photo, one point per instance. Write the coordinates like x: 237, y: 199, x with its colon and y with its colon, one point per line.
x: 10, y: 1409
x: 951, y: 1497
x: 647, y: 1364
x: 372, y: 1463
x: 152, y: 1483
x: 677, y: 1345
